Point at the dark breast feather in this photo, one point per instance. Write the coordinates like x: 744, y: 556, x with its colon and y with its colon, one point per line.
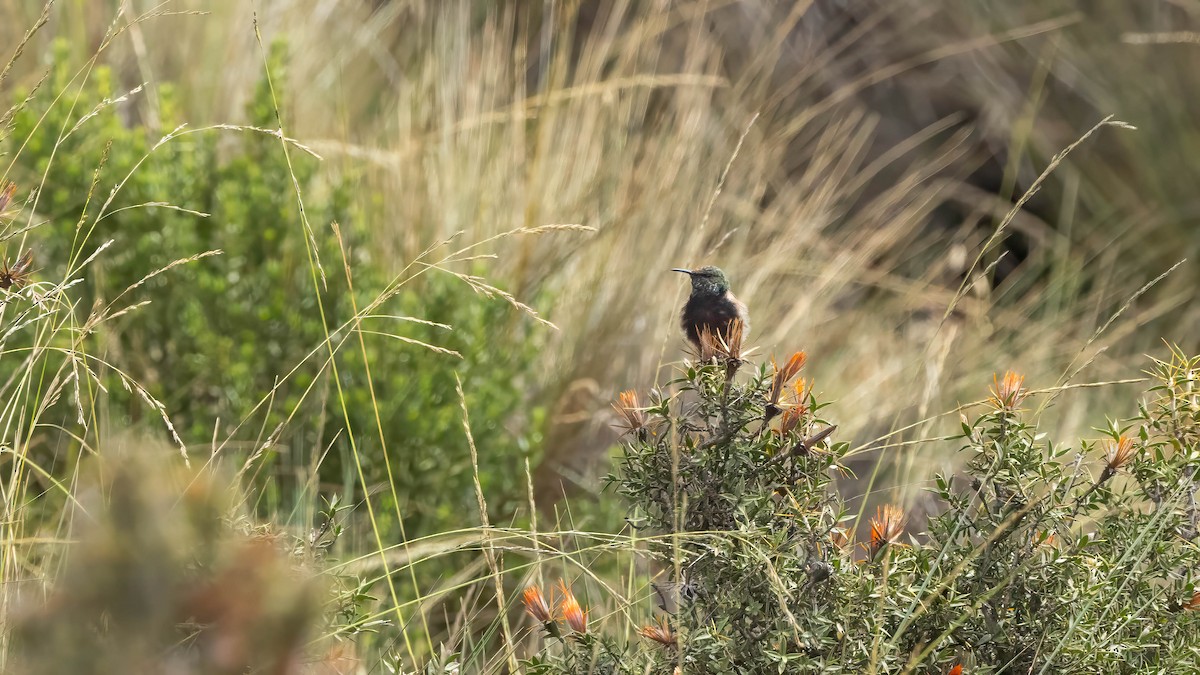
x: 713, y: 313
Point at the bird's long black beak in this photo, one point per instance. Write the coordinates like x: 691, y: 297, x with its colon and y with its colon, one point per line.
x: 676, y: 269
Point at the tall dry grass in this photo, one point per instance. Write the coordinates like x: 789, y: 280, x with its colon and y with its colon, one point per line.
x: 754, y: 137
x: 482, y: 117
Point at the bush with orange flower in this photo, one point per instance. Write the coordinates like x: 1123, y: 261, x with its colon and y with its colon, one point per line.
x: 1041, y: 558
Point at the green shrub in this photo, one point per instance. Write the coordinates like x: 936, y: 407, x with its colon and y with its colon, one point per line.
x: 1042, y: 559
x: 240, y: 337
x: 158, y: 581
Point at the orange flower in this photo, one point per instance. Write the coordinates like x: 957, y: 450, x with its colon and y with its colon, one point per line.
x: 955, y: 670
x: 789, y: 420
x: 795, y: 412
x: 800, y: 392
x: 1044, y: 538
x: 886, y: 527
x: 536, y: 605
x: 785, y: 374
x: 660, y: 632
x: 1119, y: 453
x: 628, y: 408
x: 575, y: 616
x: 1008, y: 393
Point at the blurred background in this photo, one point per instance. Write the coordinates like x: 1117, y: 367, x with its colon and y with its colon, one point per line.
x: 867, y: 173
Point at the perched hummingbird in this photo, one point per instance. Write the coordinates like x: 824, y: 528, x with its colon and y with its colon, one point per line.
x: 711, y: 305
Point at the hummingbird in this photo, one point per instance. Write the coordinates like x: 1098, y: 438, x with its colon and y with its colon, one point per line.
x: 711, y: 305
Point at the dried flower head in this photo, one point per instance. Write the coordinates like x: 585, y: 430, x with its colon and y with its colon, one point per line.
x: 1007, y: 393
x: 6, y: 195
x: 536, y: 605
x: 17, y: 275
x: 886, y: 527
x: 785, y: 374
x: 659, y: 631
x: 572, y: 613
x: 726, y: 344
x: 732, y: 339
x: 628, y: 407
x: 1118, y: 453
x: 709, y: 345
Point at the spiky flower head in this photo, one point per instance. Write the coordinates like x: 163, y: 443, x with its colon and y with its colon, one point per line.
x: 628, y: 407
x: 1007, y: 393
x: 572, y: 613
x: 794, y: 413
x: 783, y: 375
x: 1118, y: 453
x: 726, y: 344
x: 660, y: 632
x: 791, y: 417
x: 886, y: 527
x: 17, y: 275
x: 536, y: 605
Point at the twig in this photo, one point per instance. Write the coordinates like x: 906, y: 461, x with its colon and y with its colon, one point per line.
x: 802, y: 446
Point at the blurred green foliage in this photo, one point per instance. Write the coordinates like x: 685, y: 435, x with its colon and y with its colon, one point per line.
x: 159, y: 581
x: 220, y: 332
